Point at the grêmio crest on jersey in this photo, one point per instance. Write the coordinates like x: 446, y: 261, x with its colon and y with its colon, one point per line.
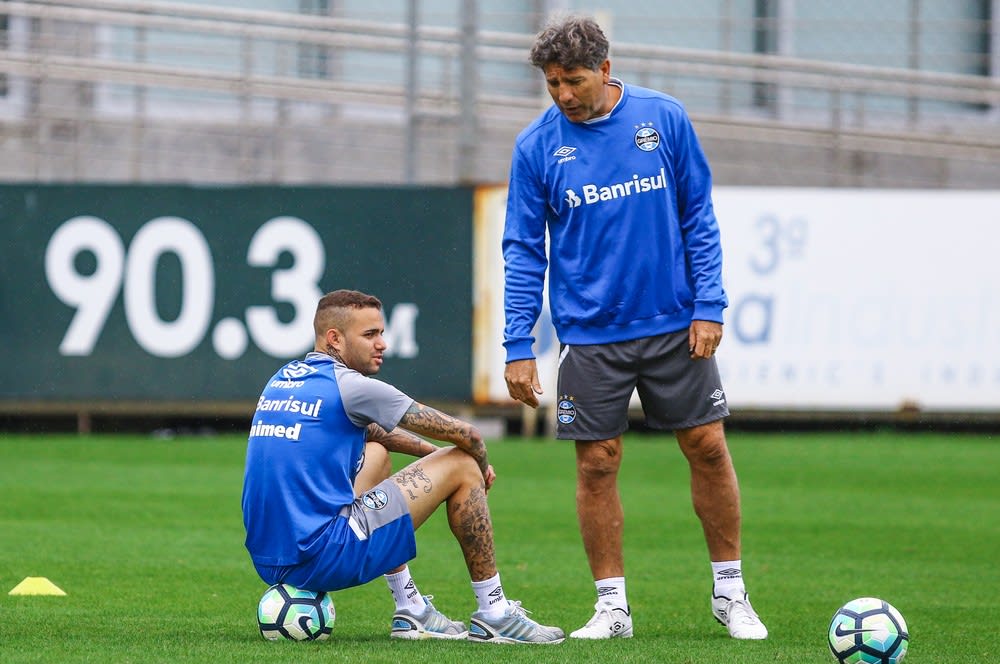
x: 646, y: 138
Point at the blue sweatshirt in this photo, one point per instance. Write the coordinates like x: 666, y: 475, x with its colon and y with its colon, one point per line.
x: 626, y: 200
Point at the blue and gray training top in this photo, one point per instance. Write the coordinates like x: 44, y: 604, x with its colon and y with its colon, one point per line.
x: 306, y: 446
x: 626, y: 200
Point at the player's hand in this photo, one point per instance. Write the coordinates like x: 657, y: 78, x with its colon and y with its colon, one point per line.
x: 522, y: 381
x: 489, y: 477
x: 704, y: 337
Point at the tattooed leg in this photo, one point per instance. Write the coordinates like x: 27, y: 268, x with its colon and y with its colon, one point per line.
x: 469, y: 518
x: 452, y: 477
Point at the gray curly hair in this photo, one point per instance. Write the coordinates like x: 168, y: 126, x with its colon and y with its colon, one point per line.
x: 570, y: 42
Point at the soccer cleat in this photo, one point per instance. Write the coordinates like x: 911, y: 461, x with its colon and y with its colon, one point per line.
x: 429, y: 624
x: 738, y: 617
x: 609, y: 622
x: 514, y: 626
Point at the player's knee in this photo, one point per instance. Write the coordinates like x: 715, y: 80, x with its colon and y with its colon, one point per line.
x: 377, y: 459
x: 705, y: 445
x: 469, y: 468
x: 598, y: 461
x: 462, y: 468
x: 466, y: 471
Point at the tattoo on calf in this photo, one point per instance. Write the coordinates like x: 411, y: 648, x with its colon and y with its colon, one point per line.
x: 470, y: 521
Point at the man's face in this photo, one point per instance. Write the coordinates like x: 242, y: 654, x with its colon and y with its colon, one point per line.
x: 580, y: 93
x: 361, y: 344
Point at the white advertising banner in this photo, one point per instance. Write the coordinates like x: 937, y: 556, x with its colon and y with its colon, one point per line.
x: 840, y: 299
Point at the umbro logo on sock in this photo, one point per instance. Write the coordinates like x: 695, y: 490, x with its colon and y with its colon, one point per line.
x: 496, y: 594
x: 728, y: 573
x: 604, y: 591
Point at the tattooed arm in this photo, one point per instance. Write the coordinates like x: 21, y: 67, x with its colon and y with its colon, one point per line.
x: 399, y: 440
x: 434, y: 424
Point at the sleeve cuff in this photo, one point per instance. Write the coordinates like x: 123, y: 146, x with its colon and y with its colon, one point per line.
x: 708, y: 311
x: 519, y: 350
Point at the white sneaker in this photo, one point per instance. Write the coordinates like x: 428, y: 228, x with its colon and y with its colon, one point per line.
x: 609, y: 622
x: 738, y: 617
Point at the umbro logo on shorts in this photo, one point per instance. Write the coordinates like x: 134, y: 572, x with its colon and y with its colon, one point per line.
x: 718, y: 397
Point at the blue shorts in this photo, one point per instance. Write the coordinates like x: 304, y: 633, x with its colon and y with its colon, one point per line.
x: 369, y: 537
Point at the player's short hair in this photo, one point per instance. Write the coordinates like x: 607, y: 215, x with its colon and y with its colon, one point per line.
x: 570, y: 42
x: 334, y: 309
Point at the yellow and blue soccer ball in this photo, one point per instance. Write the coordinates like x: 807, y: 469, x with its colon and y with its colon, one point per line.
x: 868, y: 630
x: 285, y: 612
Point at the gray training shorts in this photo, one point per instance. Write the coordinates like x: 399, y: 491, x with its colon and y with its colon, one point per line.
x: 596, y: 383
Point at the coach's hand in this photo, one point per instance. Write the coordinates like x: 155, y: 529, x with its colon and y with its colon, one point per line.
x: 522, y: 381
x: 704, y: 337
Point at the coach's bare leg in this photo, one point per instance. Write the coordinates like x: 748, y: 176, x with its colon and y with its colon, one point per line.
x: 599, y: 505
x: 451, y: 476
x: 714, y: 488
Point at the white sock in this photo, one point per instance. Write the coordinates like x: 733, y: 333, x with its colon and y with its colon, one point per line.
x: 489, y: 595
x: 404, y: 590
x: 728, y: 578
x: 612, y: 591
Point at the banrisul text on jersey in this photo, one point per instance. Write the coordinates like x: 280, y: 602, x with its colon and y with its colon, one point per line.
x: 593, y: 193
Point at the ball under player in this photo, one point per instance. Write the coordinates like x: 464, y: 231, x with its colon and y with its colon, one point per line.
x: 613, y: 174
x: 322, y: 511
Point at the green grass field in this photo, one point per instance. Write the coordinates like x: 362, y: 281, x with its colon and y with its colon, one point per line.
x: 146, y: 538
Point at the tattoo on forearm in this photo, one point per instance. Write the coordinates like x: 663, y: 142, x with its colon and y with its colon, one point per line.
x: 440, y: 426
x: 470, y: 522
x: 398, y: 440
x: 376, y: 433
x: 435, y: 423
x: 414, y: 481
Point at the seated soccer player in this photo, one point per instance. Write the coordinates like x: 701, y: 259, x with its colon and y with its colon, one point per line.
x: 322, y: 511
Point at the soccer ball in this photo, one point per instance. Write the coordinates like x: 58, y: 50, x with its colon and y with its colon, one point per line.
x: 300, y: 615
x: 868, y: 630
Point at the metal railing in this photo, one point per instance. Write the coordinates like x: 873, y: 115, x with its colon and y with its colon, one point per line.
x: 237, y: 75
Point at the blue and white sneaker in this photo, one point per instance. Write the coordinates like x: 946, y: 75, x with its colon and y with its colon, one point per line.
x: 513, y: 627
x: 429, y: 624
